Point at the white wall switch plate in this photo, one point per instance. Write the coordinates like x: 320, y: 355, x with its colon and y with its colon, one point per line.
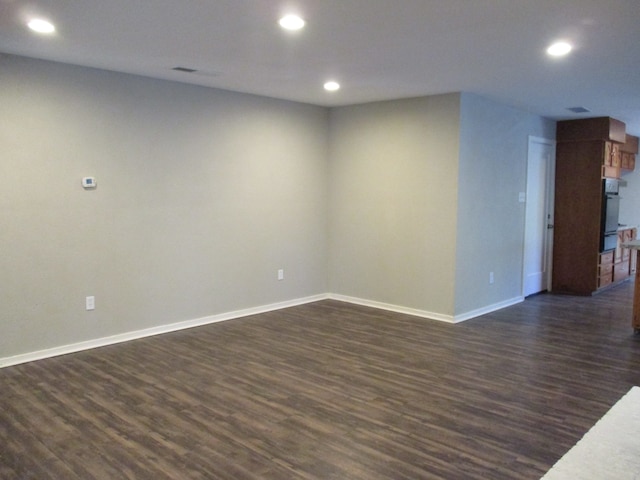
x: 90, y: 303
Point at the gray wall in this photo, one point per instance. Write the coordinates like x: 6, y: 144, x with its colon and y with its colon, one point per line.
x: 393, y: 189
x: 424, y: 202
x: 490, y: 230
x: 202, y: 195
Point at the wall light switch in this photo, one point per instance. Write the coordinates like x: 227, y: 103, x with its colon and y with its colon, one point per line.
x: 281, y: 274
x: 90, y: 303
x: 522, y: 197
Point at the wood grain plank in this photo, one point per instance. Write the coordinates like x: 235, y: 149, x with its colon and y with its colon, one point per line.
x: 327, y: 390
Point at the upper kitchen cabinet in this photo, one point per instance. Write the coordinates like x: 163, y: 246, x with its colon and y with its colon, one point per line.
x: 628, y: 151
x: 608, y: 135
x: 611, y: 160
x: 600, y: 128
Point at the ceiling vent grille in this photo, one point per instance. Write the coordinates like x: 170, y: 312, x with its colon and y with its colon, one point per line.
x: 578, y: 110
x: 184, y: 69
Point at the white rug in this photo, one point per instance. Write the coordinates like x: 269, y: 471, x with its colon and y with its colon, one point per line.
x: 610, y: 450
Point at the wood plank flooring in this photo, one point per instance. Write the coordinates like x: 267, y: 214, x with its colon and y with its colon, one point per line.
x: 327, y: 391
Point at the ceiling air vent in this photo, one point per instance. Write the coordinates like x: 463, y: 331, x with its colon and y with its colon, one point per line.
x: 578, y: 110
x: 184, y: 69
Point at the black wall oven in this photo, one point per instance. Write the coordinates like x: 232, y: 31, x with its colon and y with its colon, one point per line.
x: 610, y: 211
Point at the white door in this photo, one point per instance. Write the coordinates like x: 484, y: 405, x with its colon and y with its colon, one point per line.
x: 538, y: 231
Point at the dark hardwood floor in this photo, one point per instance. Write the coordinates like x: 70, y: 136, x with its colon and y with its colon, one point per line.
x: 327, y: 391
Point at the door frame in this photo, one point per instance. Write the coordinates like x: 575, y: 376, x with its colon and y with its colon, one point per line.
x: 549, y: 201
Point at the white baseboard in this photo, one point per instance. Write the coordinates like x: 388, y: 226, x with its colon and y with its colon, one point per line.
x: 488, y: 309
x: 148, y: 332
x: 393, y: 308
x: 198, y: 322
x: 425, y: 314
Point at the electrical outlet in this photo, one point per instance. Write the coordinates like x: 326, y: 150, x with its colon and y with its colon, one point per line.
x: 281, y: 274
x: 90, y: 303
x: 491, y: 277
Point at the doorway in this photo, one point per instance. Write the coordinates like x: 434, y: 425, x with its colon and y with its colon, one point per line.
x: 538, y: 231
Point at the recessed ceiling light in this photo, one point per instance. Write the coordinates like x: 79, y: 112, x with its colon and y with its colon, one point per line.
x: 291, y: 22
x: 332, y: 86
x: 41, y: 26
x: 559, y: 49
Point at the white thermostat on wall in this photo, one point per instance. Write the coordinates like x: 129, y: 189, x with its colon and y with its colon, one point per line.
x: 89, y: 182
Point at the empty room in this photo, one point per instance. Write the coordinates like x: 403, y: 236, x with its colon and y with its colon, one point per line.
x: 319, y: 240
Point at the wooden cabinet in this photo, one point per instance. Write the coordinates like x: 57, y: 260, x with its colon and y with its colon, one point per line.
x: 624, y: 235
x: 585, y: 129
x: 617, y: 257
x: 577, y: 214
x: 624, y: 265
x: 622, y: 256
x: 605, y: 269
x: 611, y: 160
x: 628, y: 161
x: 608, y: 135
x: 628, y: 151
x: 629, y: 234
x: 587, y: 150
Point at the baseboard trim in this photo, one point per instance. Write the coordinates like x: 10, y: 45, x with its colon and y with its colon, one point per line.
x: 425, y: 314
x: 488, y: 309
x: 393, y: 308
x: 198, y: 322
x: 149, y: 332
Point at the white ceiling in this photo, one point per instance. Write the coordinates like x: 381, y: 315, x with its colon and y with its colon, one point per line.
x: 377, y: 49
